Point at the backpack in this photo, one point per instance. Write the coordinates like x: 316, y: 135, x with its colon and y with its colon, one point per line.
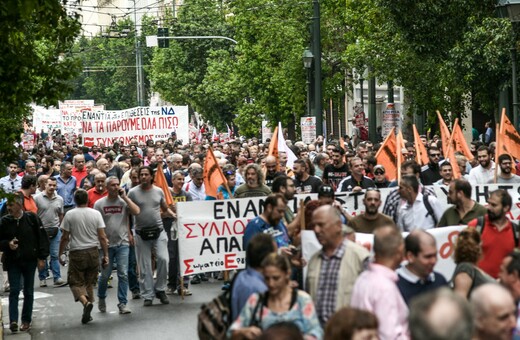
x: 429, y: 208
x: 481, y: 223
x: 214, y: 318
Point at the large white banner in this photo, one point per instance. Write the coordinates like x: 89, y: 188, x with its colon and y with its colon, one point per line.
x: 45, y: 119
x: 210, y: 232
x: 142, y: 123
x: 70, y: 111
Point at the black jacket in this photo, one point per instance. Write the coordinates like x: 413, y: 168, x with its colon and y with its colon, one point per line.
x: 33, y: 243
x: 430, y: 174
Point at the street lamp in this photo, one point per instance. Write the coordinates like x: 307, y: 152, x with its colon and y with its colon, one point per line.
x: 511, y: 9
x: 307, y: 63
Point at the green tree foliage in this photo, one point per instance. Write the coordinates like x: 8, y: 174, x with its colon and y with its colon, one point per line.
x: 35, y: 38
x: 109, y: 67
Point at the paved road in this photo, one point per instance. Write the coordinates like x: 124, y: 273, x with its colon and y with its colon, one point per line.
x: 57, y: 317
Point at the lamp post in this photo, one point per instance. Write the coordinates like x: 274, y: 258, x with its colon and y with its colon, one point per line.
x: 307, y: 63
x: 511, y: 9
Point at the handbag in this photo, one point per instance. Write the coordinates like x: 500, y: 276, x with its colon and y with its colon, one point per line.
x: 52, y: 232
x: 149, y: 233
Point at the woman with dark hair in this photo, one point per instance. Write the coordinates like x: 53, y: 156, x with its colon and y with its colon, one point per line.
x: 351, y: 324
x: 280, y: 303
x: 467, y: 275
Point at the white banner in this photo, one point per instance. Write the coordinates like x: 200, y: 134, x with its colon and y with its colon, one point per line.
x: 142, y: 123
x: 308, y: 127
x: 71, y: 117
x: 45, y: 119
x: 445, y: 239
x: 210, y: 232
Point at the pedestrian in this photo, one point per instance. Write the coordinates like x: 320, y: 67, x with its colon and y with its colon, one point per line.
x: 150, y: 235
x: 115, y: 209
x: 25, y: 245
x: 83, y: 228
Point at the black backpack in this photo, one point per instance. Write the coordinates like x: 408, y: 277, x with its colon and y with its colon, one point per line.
x: 429, y: 208
x: 214, y: 318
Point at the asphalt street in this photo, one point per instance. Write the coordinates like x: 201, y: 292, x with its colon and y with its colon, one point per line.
x: 56, y: 316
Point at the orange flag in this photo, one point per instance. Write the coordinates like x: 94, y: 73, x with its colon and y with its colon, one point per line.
x: 509, y: 137
x: 400, y: 147
x: 273, y: 149
x: 213, y: 176
x: 342, y: 143
x: 451, y: 154
x: 160, y: 181
x: 386, y: 156
x: 421, y: 155
x: 459, y: 142
x: 445, y: 134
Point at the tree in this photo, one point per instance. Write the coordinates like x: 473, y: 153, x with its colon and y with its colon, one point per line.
x: 35, y: 38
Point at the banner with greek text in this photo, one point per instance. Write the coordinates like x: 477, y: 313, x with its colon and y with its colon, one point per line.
x: 45, y: 119
x: 142, y: 123
x: 71, y: 116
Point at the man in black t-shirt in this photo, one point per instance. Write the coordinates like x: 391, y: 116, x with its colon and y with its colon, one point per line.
x: 305, y: 183
x: 337, y: 171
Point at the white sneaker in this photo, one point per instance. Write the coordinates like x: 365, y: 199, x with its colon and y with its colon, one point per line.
x: 43, y: 283
x: 123, y: 309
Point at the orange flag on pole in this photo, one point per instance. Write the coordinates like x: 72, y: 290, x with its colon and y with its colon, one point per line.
x: 387, y: 155
x: 400, y: 147
x: 421, y: 155
x: 160, y: 181
x: 213, y: 176
x: 445, y: 134
x: 451, y: 154
x: 509, y: 137
x: 459, y: 142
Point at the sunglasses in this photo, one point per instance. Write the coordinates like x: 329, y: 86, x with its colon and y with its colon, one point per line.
x: 379, y: 172
x: 230, y: 172
x: 435, y: 155
x: 326, y: 189
x: 372, y: 189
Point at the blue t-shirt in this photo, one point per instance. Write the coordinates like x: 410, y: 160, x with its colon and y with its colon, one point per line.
x: 258, y: 225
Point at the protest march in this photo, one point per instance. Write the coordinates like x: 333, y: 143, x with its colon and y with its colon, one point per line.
x: 304, y: 235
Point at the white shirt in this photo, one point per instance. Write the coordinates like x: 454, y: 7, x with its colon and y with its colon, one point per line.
x: 479, y: 175
x: 197, y: 193
x: 11, y: 185
x: 415, y: 216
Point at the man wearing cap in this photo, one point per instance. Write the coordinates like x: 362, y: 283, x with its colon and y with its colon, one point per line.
x: 380, y: 179
x: 371, y: 219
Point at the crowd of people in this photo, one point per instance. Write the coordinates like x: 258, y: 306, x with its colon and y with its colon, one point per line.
x: 98, y: 209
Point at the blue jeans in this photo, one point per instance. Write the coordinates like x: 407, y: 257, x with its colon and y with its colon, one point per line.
x: 54, y: 262
x: 15, y: 274
x: 132, y: 271
x: 120, y: 255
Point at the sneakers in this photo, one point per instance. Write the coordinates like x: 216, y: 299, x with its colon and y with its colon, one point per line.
x: 102, y: 305
x: 161, y: 295
x: 147, y: 303
x: 178, y: 291
x: 123, y: 309
x: 43, y: 283
x: 87, y: 309
x: 136, y: 294
x: 26, y: 326
x: 59, y: 283
x: 13, y: 326
x: 170, y: 291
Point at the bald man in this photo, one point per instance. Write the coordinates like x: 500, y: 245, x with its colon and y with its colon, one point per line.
x: 271, y: 173
x: 343, y: 261
x: 494, y: 312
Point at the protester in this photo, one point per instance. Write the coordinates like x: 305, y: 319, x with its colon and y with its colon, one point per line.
x: 467, y: 276
x: 446, y: 172
x: 505, y: 176
x: 335, y: 172
x: 494, y: 312
x: 281, y: 302
x: 375, y: 289
x: 12, y: 182
x: 430, y: 173
x: 333, y: 270
x: 83, y: 230
x: 371, y: 219
x: 254, y: 185
x: 464, y: 208
x: 357, y: 181
x: 485, y: 171
x: 417, y: 276
x: 441, y: 315
x: 25, y: 246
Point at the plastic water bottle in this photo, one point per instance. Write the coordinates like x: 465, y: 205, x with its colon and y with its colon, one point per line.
x: 64, y: 258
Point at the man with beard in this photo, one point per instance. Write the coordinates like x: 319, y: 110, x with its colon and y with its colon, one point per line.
x: 464, y: 209
x: 305, y: 183
x: 254, y: 185
x: 357, y: 181
x: 371, y: 219
x: 12, y: 182
x: 47, y: 164
x: 498, y: 234
x: 417, y: 276
x: 270, y: 221
x: 446, y: 172
x: 506, y: 176
x: 485, y: 172
x: 337, y: 171
x: 271, y: 173
x: 430, y: 172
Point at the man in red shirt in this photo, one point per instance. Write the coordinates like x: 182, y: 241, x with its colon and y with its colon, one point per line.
x: 79, y: 171
x: 99, y: 190
x: 498, y: 234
